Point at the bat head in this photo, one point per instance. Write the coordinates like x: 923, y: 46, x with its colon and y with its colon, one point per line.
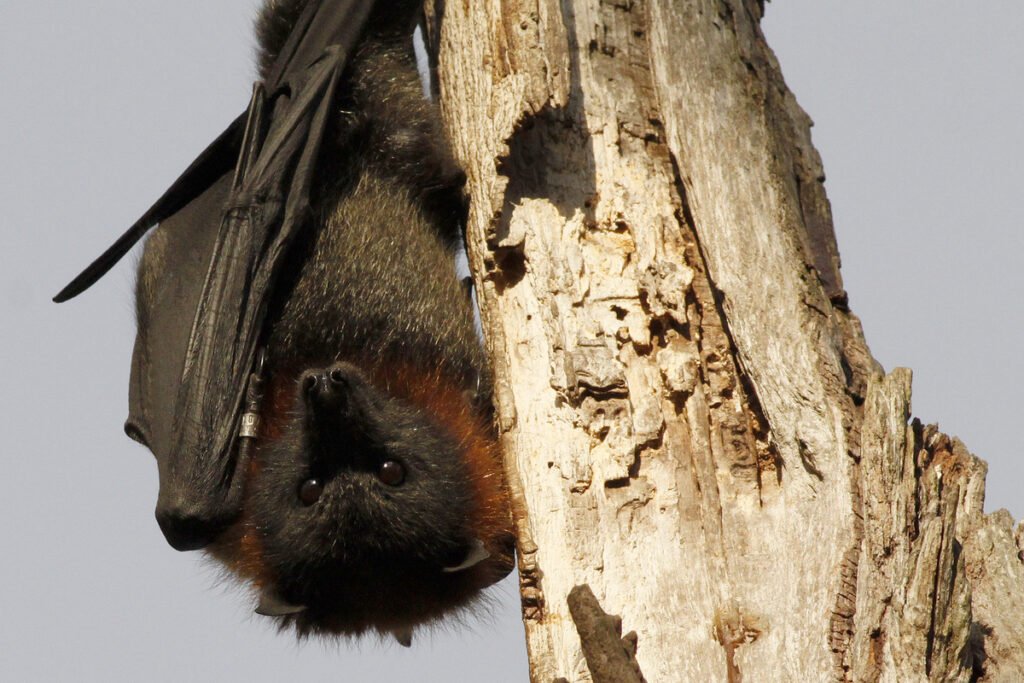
x: 371, y: 508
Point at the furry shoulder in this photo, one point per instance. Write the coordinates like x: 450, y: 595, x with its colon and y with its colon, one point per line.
x: 273, y: 24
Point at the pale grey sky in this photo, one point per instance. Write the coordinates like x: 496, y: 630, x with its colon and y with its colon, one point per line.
x: 918, y: 109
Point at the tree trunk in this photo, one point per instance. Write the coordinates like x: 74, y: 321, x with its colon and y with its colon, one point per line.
x: 697, y: 438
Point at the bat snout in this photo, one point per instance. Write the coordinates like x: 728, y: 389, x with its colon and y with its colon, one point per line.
x: 325, y: 383
x: 330, y: 391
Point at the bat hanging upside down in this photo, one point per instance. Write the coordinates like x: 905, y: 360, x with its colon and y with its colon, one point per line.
x: 306, y: 368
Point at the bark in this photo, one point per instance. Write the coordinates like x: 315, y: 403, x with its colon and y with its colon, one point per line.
x: 697, y: 438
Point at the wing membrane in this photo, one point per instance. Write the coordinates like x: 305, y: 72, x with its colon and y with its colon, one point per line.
x: 274, y: 148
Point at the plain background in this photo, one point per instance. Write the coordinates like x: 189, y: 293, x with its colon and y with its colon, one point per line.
x: 918, y: 108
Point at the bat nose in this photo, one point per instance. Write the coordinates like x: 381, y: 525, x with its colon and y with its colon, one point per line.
x: 327, y: 388
x: 333, y: 379
x: 188, y: 531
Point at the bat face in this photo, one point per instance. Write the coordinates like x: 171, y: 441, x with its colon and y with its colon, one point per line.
x: 370, y: 509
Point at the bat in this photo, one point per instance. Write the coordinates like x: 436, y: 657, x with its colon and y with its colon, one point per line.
x: 306, y: 368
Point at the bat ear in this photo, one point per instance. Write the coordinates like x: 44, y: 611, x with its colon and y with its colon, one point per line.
x: 403, y: 636
x: 477, y: 554
x: 273, y: 605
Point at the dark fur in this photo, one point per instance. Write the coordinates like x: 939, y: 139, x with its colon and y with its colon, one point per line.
x: 273, y: 25
x: 366, y: 554
x: 372, y: 293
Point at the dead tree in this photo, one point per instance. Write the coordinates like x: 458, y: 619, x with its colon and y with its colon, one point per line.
x: 696, y: 435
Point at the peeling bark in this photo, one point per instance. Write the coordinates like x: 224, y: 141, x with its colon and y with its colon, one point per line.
x: 693, y: 425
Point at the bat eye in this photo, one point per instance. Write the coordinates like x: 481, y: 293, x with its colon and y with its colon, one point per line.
x: 310, y: 491
x: 391, y: 472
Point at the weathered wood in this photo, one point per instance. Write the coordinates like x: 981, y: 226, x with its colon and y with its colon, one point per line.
x: 611, y: 658
x: 693, y: 424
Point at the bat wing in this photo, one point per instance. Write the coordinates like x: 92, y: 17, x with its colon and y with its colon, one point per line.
x: 275, y: 146
x: 218, y: 158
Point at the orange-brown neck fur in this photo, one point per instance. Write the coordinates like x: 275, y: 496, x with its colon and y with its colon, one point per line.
x: 241, y: 548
